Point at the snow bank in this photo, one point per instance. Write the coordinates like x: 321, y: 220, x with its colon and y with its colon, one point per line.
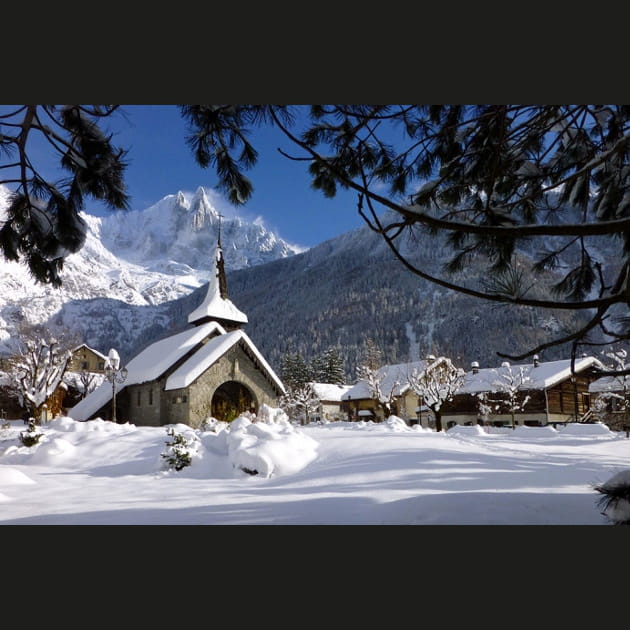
x: 396, y: 424
x: 11, y: 476
x: 525, y: 431
x: 265, y: 448
x: 271, y: 414
x: 582, y: 429
x: 50, y: 451
x: 67, y: 424
x: 460, y: 429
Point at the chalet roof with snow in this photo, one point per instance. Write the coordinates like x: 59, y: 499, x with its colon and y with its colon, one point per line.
x: 538, y: 375
x: 216, y: 305
x: 330, y: 392
x: 392, y: 378
x: 84, y: 345
x: 610, y: 384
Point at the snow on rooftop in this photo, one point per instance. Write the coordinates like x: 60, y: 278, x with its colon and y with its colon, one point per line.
x: 540, y: 376
x: 214, y: 305
x: 147, y: 366
x: 394, y: 377
x: 330, y: 391
x: 610, y: 384
x: 84, y: 345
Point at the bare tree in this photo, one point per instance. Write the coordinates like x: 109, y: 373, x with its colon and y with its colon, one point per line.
x: 613, y: 404
x: 381, y: 386
x: 39, y: 369
x: 436, y: 383
x: 508, y: 389
x: 300, y: 401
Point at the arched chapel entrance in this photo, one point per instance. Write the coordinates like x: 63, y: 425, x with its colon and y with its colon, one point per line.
x: 230, y: 400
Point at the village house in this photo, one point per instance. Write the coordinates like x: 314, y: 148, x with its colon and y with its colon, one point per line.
x: 393, y: 382
x: 611, y: 401
x: 86, y: 359
x: 210, y: 369
x: 331, y: 406
x: 556, y: 395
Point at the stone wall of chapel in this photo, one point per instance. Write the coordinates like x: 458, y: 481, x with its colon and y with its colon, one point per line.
x: 235, y: 365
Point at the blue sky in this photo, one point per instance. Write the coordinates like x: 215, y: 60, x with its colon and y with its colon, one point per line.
x: 160, y: 163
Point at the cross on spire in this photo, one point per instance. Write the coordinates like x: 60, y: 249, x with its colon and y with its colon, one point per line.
x: 220, y: 266
x: 219, y: 239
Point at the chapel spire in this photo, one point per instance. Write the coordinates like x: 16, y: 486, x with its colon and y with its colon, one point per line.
x: 220, y: 265
x: 217, y: 306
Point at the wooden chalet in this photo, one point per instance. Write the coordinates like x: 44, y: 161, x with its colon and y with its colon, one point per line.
x: 556, y: 394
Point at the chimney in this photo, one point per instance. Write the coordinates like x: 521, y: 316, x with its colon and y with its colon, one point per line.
x: 536, y: 361
x: 475, y: 367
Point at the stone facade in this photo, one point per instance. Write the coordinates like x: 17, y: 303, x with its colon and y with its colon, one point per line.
x: 149, y: 404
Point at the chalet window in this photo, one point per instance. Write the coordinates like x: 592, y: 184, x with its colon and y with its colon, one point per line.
x: 184, y: 398
x: 139, y: 398
x: 84, y: 365
x: 101, y: 365
x: 150, y: 396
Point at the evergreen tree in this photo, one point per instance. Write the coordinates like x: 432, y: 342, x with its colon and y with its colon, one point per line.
x: 328, y: 367
x: 294, y: 370
x: 372, y: 357
x: 43, y: 223
x: 178, y: 454
x: 490, y: 178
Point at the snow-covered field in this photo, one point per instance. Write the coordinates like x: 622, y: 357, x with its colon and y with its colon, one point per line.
x: 336, y: 474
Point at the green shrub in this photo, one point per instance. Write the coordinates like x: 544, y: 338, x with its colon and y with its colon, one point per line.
x: 177, y: 456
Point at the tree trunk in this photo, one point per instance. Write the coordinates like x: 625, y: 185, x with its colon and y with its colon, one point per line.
x: 438, y: 420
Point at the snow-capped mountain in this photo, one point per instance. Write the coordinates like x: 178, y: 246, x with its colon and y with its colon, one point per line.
x: 134, y: 264
x: 141, y: 273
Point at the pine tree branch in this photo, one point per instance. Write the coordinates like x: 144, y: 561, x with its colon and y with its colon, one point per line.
x: 582, y: 229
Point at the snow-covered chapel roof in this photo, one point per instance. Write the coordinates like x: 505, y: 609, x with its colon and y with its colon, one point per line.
x: 216, y: 304
x: 211, y: 352
x: 153, y: 361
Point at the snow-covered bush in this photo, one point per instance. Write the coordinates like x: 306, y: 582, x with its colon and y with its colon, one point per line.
x: 178, y: 454
x: 615, y: 501
x: 30, y: 437
x: 212, y: 424
x: 271, y: 415
x: 396, y: 423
